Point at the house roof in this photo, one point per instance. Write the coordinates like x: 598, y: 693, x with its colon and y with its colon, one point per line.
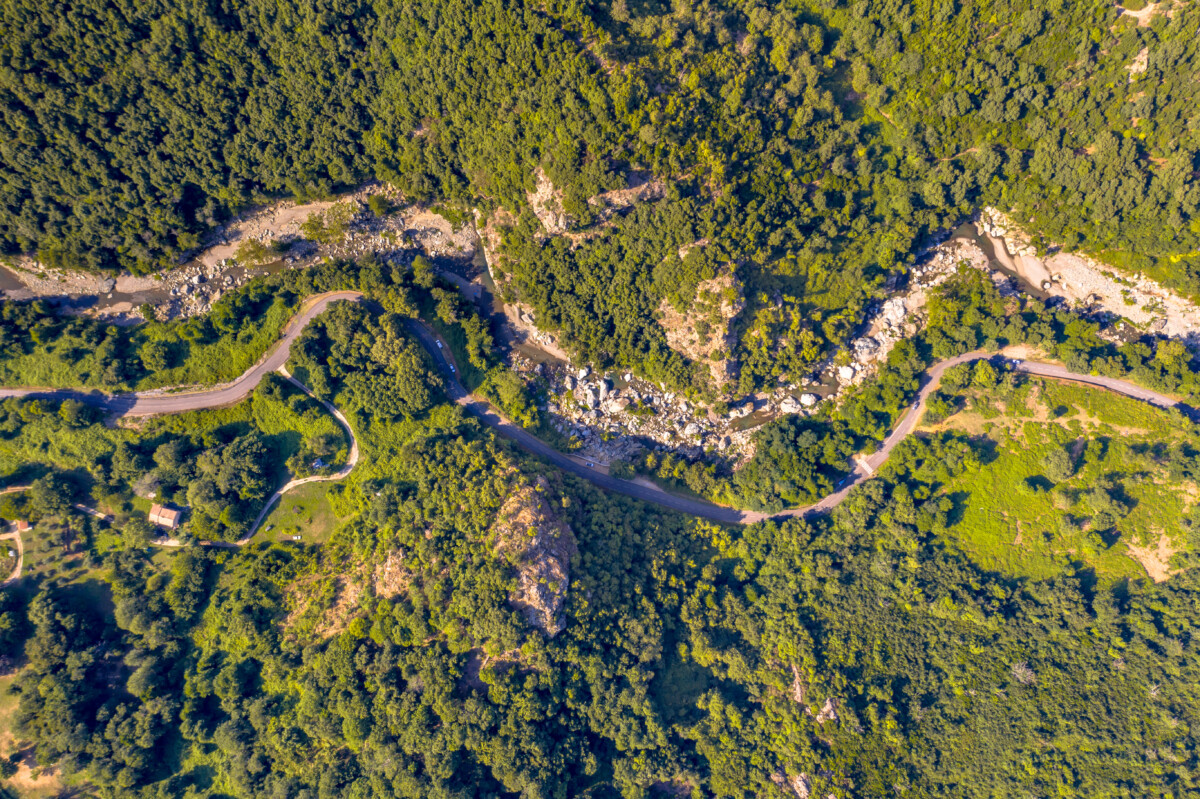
x: 168, y: 517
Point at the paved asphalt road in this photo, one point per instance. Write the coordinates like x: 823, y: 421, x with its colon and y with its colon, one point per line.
x: 718, y: 513
x: 158, y: 402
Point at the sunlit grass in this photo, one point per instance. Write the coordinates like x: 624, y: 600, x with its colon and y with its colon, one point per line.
x: 1009, y: 517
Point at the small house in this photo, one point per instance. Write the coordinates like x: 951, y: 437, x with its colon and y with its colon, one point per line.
x: 165, y: 517
x: 21, y: 526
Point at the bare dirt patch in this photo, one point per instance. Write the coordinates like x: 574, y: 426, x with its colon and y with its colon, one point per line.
x: 1155, y: 558
x: 547, y: 204
x: 1140, y: 62
x: 392, y: 577
x: 278, y: 221
x: 1145, y: 16
x: 641, y: 188
x: 30, y: 778
x: 304, y: 598
x: 1023, y: 352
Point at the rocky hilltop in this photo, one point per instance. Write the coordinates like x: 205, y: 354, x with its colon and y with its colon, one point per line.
x: 539, y: 546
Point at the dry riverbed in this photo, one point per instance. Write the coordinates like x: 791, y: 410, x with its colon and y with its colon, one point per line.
x: 611, y: 416
x: 1089, y: 284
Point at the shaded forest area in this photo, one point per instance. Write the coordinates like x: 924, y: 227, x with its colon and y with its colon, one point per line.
x: 859, y: 654
x: 814, y: 148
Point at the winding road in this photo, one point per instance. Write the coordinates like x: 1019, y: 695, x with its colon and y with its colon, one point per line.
x: 162, y: 401
x: 864, y: 467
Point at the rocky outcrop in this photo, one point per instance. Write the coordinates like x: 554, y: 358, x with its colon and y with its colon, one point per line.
x: 538, y: 545
x: 701, y: 330
x: 546, y: 202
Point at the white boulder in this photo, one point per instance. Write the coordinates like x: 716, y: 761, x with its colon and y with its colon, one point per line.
x: 616, y: 405
x: 894, y: 311
x: 865, y: 347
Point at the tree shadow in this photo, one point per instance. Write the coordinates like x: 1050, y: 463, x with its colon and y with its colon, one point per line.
x: 960, y: 503
x: 1039, y: 483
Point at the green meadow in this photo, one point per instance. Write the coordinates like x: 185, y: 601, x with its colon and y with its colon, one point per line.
x: 1118, y: 507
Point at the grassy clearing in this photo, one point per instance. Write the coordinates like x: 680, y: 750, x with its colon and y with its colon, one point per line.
x: 42, y: 440
x: 1009, y: 516
x: 24, y: 783
x: 227, y: 357
x: 8, y: 708
x: 286, y: 422
x: 305, y: 511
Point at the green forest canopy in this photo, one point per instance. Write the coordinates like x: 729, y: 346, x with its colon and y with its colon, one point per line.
x: 814, y: 146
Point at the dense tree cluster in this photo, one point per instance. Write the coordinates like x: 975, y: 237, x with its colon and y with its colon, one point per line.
x: 812, y: 148
x: 221, y: 470
x: 854, y: 653
x: 372, y: 359
x: 809, y: 149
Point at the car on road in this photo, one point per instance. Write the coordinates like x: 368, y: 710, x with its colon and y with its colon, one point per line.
x: 439, y: 344
x: 591, y: 465
x: 451, y: 367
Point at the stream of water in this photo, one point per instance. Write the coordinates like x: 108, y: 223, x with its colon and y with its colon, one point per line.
x: 968, y: 232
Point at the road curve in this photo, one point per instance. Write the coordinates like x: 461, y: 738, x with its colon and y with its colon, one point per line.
x: 160, y: 402
x: 15, y: 535
x: 864, y: 467
x: 16, y: 572
x: 351, y: 459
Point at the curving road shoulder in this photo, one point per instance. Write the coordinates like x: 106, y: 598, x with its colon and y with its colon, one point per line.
x: 162, y: 401
x: 864, y: 466
x: 351, y: 459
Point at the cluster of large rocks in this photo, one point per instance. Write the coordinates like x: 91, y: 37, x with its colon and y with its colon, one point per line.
x: 614, y: 417
x: 994, y: 223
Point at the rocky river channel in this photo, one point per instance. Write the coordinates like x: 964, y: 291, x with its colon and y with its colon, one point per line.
x: 609, y: 416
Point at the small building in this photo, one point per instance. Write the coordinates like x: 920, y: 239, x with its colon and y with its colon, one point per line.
x: 165, y: 517
x: 21, y: 526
